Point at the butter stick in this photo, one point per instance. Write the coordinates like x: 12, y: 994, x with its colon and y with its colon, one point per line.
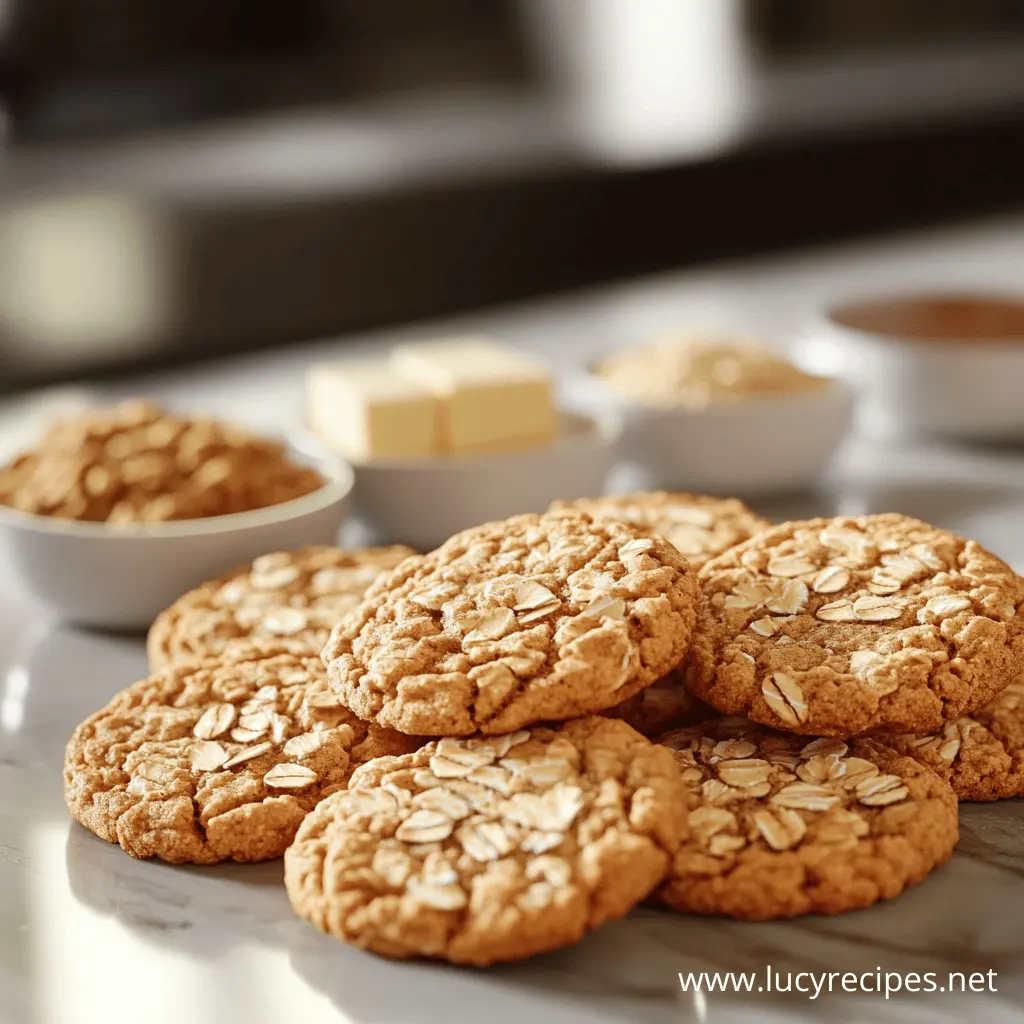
x: 494, y: 399
x: 365, y: 410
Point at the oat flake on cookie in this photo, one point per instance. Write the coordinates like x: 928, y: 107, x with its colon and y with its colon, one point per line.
x: 839, y: 626
x: 537, y: 618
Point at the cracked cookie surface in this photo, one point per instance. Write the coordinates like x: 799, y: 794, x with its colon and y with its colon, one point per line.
x: 492, y: 848
x: 202, y: 763
x: 982, y: 754
x: 786, y: 825
x: 699, y: 525
x: 286, y: 600
x: 537, y: 618
x: 839, y: 626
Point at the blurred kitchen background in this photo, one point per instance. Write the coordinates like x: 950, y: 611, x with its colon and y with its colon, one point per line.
x: 183, y: 180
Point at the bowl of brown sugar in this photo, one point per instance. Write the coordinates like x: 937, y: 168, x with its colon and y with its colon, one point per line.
x: 115, y: 512
x: 945, y: 363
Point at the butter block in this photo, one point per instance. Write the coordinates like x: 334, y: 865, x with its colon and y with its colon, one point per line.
x: 494, y: 399
x: 366, y: 409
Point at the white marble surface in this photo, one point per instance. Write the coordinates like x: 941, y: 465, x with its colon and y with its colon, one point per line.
x: 86, y: 934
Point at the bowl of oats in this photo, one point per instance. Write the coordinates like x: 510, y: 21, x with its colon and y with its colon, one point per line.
x: 115, y: 512
x: 721, y: 414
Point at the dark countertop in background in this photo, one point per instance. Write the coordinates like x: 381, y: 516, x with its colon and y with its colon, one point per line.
x: 311, y: 227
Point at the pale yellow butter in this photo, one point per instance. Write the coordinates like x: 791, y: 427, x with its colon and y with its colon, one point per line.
x: 494, y: 399
x: 366, y: 409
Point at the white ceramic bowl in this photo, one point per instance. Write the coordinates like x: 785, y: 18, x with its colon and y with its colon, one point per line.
x: 121, y: 577
x: 969, y: 389
x: 746, y: 448
x: 422, y: 502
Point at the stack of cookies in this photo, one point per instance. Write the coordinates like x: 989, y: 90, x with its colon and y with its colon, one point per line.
x: 484, y: 752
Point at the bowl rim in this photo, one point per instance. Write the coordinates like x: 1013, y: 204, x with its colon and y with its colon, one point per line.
x: 824, y: 316
x: 338, y: 484
x: 605, y: 427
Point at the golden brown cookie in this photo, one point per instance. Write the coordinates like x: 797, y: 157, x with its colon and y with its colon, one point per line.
x: 981, y: 755
x: 699, y: 525
x: 287, y: 600
x: 537, y: 618
x: 664, y: 705
x: 207, y: 762
x: 787, y: 826
x: 491, y: 849
x: 838, y: 626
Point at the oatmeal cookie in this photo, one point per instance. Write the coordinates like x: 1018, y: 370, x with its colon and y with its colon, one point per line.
x: 202, y: 763
x: 786, y: 826
x: 287, y: 600
x: 664, y: 705
x: 491, y: 849
x: 698, y: 525
x: 981, y: 755
x: 839, y: 626
x: 537, y: 618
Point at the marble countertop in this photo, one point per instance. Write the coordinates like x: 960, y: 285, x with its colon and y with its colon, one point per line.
x: 87, y: 934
